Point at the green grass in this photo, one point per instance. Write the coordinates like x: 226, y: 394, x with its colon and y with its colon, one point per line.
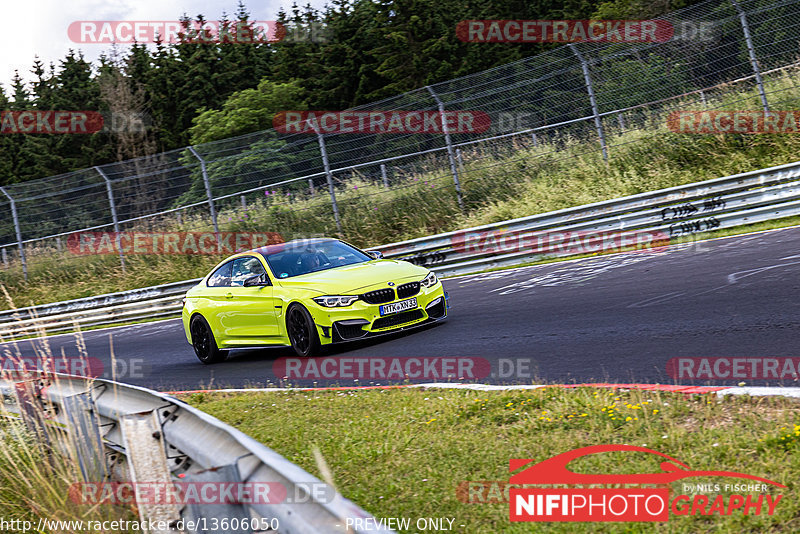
x: 403, y: 452
x: 524, y: 181
x: 35, y: 484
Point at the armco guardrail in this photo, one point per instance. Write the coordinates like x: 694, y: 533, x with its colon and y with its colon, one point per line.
x: 131, y: 434
x: 657, y: 216
x: 147, y: 303
x: 674, y: 212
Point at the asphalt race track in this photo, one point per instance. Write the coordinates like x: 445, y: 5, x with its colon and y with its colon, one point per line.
x: 615, y: 318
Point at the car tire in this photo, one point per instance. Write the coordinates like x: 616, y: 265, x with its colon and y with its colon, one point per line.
x: 205, y: 346
x: 302, y: 331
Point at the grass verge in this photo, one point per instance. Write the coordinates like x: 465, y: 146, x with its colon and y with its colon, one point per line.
x: 35, y: 489
x: 403, y: 452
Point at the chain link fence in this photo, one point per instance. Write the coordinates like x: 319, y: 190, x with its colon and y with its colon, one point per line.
x: 336, y: 183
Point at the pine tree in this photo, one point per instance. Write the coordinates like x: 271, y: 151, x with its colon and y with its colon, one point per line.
x: 7, y: 146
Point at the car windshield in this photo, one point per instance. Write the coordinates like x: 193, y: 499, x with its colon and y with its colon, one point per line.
x: 303, y: 258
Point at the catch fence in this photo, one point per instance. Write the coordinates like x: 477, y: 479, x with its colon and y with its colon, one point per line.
x: 722, y: 53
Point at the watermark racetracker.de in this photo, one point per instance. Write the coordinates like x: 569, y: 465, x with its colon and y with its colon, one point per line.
x: 734, y: 122
x: 38, y: 121
x: 200, y: 492
x: 582, y: 31
x: 503, y: 241
x: 381, y: 122
x: 158, y: 243
x: 400, y: 369
x: 174, y: 31
x: 734, y: 368
x: 49, y: 367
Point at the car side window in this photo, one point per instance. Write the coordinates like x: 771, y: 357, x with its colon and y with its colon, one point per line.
x: 221, y: 277
x: 244, y: 268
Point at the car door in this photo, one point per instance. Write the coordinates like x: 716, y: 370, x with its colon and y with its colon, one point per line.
x: 251, y: 311
x: 215, y: 299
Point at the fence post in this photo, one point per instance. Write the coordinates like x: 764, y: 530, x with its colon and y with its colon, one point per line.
x: 621, y: 121
x: 329, y: 176
x: 460, y: 160
x: 587, y: 77
x: 534, y: 139
x: 5, y: 257
x: 210, y: 197
x: 114, y: 217
x: 384, y: 176
x: 751, y: 51
x: 19, y: 233
x: 450, y: 151
x: 244, y: 202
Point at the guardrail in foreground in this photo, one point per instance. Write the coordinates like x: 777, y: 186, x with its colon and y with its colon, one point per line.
x: 679, y: 211
x: 128, y: 433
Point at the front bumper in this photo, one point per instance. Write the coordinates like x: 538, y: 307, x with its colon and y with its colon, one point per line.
x: 362, y: 320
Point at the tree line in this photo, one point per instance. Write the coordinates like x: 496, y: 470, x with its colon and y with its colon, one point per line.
x: 349, y: 53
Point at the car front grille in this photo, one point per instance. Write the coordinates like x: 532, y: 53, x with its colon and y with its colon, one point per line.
x: 397, y: 319
x: 380, y: 296
x: 407, y: 290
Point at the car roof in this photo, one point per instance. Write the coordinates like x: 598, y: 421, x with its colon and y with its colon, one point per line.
x: 272, y: 249
x: 280, y: 247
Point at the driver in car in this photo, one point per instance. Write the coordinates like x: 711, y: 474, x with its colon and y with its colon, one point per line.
x: 311, y: 261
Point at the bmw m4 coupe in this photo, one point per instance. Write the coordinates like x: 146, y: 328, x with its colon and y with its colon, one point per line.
x: 306, y: 294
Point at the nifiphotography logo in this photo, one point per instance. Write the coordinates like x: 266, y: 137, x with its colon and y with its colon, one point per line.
x: 602, y: 504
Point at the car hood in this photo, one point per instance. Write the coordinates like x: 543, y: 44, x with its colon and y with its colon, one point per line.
x: 355, y: 278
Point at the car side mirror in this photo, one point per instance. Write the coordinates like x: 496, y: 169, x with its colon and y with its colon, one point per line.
x: 258, y: 280
x: 376, y: 254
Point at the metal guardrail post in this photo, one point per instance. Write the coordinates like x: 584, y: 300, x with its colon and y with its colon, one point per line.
x: 28, y: 393
x: 448, y: 141
x: 114, y: 217
x: 329, y: 176
x: 587, y: 77
x: 144, y: 432
x: 233, y: 515
x: 751, y: 51
x: 19, y: 233
x: 207, y: 185
x: 85, y: 436
x: 144, y: 446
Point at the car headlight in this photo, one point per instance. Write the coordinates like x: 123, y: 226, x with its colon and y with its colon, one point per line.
x: 335, y: 301
x: 430, y: 280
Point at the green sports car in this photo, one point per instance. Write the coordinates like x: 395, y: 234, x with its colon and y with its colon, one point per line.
x: 306, y: 294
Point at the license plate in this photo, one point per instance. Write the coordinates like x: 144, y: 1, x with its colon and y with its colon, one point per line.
x: 395, y: 307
